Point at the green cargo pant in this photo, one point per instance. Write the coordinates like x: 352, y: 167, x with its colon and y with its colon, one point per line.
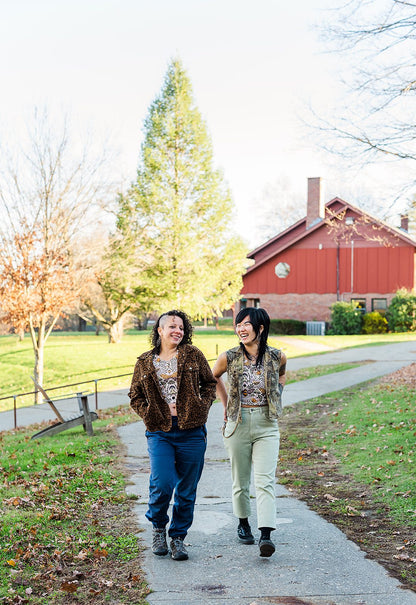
x: 255, y: 442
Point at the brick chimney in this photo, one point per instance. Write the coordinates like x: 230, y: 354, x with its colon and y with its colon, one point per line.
x: 316, y: 208
x: 404, y: 222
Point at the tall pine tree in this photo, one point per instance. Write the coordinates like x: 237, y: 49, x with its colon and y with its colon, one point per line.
x: 180, y: 209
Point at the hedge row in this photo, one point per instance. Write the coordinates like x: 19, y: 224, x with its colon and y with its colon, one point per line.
x: 400, y: 317
x: 287, y: 326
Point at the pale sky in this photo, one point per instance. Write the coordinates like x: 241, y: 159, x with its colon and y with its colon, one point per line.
x: 254, y: 67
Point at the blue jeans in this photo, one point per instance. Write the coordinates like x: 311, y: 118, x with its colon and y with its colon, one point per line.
x: 176, y: 463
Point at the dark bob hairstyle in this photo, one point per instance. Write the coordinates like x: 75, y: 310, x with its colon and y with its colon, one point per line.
x: 258, y: 317
x: 187, y: 329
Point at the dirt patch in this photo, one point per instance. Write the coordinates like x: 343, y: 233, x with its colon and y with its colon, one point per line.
x: 313, y: 475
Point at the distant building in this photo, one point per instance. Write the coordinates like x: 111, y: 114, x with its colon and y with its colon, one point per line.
x: 337, y: 252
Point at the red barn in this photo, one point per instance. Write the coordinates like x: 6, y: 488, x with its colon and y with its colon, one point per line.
x: 337, y: 252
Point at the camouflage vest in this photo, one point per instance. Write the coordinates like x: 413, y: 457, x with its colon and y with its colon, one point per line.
x: 235, y: 361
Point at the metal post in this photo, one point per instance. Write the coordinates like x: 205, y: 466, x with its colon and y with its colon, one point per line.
x: 96, y: 393
x: 15, y: 411
x: 87, y: 417
x: 338, y: 270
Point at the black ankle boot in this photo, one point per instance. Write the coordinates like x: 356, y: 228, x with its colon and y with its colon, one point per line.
x: 266, y: 545
x: 244, y: 533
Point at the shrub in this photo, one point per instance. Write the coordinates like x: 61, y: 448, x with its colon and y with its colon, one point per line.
x: 401, y: 314
x: 345, y: 319
x: 374, y: 323
x: 287, y: 326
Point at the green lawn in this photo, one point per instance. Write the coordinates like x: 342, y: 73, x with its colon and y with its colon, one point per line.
x: 68, y: 532
x: 78, y: 357
x: 351, y: 456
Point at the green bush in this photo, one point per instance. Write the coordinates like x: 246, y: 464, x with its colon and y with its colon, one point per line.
x: 401, y: 314
x: 374, y: 323
x: 345, y: 319
x: 287, y: 326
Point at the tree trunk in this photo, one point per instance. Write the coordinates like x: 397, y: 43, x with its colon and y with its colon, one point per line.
x: 115, y: 331
x: 82, y: 324
x: 38, y: 369
x: 21, y: 334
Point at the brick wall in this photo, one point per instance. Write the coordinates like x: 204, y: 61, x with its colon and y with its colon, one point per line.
x: 307, y: 307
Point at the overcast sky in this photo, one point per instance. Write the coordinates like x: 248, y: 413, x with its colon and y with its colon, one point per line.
x: 254, y: 67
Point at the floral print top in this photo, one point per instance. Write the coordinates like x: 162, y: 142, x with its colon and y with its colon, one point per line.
x: 253, y: 391
x: 167, y: 374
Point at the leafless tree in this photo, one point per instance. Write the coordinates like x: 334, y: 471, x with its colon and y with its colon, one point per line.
x: 108, y: 285
x: 375, y: 43
x: 362, y: 227
x: 276, y: 208
x: 48, y: 195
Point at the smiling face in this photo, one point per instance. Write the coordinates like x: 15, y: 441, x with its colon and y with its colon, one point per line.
x: 171, y: 331
x: 246, y: 332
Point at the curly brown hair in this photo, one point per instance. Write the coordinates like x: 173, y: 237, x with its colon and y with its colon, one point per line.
x: 187, y: 329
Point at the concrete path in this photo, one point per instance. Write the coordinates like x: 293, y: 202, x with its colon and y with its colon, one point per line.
x: 314, y: 563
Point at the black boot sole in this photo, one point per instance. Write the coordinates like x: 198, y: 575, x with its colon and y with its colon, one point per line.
x: 266, y: 549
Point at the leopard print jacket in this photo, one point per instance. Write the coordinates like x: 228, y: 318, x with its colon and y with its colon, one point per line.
x: 196, y: 391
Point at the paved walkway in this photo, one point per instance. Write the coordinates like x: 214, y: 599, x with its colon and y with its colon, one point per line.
x: 314, y: 563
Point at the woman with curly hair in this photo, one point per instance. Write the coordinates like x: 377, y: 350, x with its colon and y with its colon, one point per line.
x: 172, y: 391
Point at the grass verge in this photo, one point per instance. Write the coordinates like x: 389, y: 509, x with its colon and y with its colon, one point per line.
x: 68, y: 532
x: 76, y: 357
x: 351, y: 457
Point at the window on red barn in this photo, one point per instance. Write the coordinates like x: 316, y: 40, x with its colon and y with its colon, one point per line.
x: 379, y: 304
x: 360, y: 303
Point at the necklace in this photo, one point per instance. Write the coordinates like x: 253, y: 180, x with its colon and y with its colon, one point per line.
x: 168, y: 355
x: 167, y: 366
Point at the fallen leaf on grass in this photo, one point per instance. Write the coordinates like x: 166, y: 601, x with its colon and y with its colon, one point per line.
x: 70, y: 587
x: 18, y: 501
x: 83, y: 554
x: 132, y: 578
x: 330, y: 498
x: 405, y: 558
x: 353, y: 512
x: 100, y: 553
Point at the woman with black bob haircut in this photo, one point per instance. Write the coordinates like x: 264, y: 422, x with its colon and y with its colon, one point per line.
x: 256, y: 377
x: 260, y: 321
x: 172, y: 391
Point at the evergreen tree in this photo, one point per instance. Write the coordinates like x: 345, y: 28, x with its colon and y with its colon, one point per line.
x: 179, y: 209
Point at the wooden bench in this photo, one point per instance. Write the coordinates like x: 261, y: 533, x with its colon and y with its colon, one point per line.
x: 86, y: 417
